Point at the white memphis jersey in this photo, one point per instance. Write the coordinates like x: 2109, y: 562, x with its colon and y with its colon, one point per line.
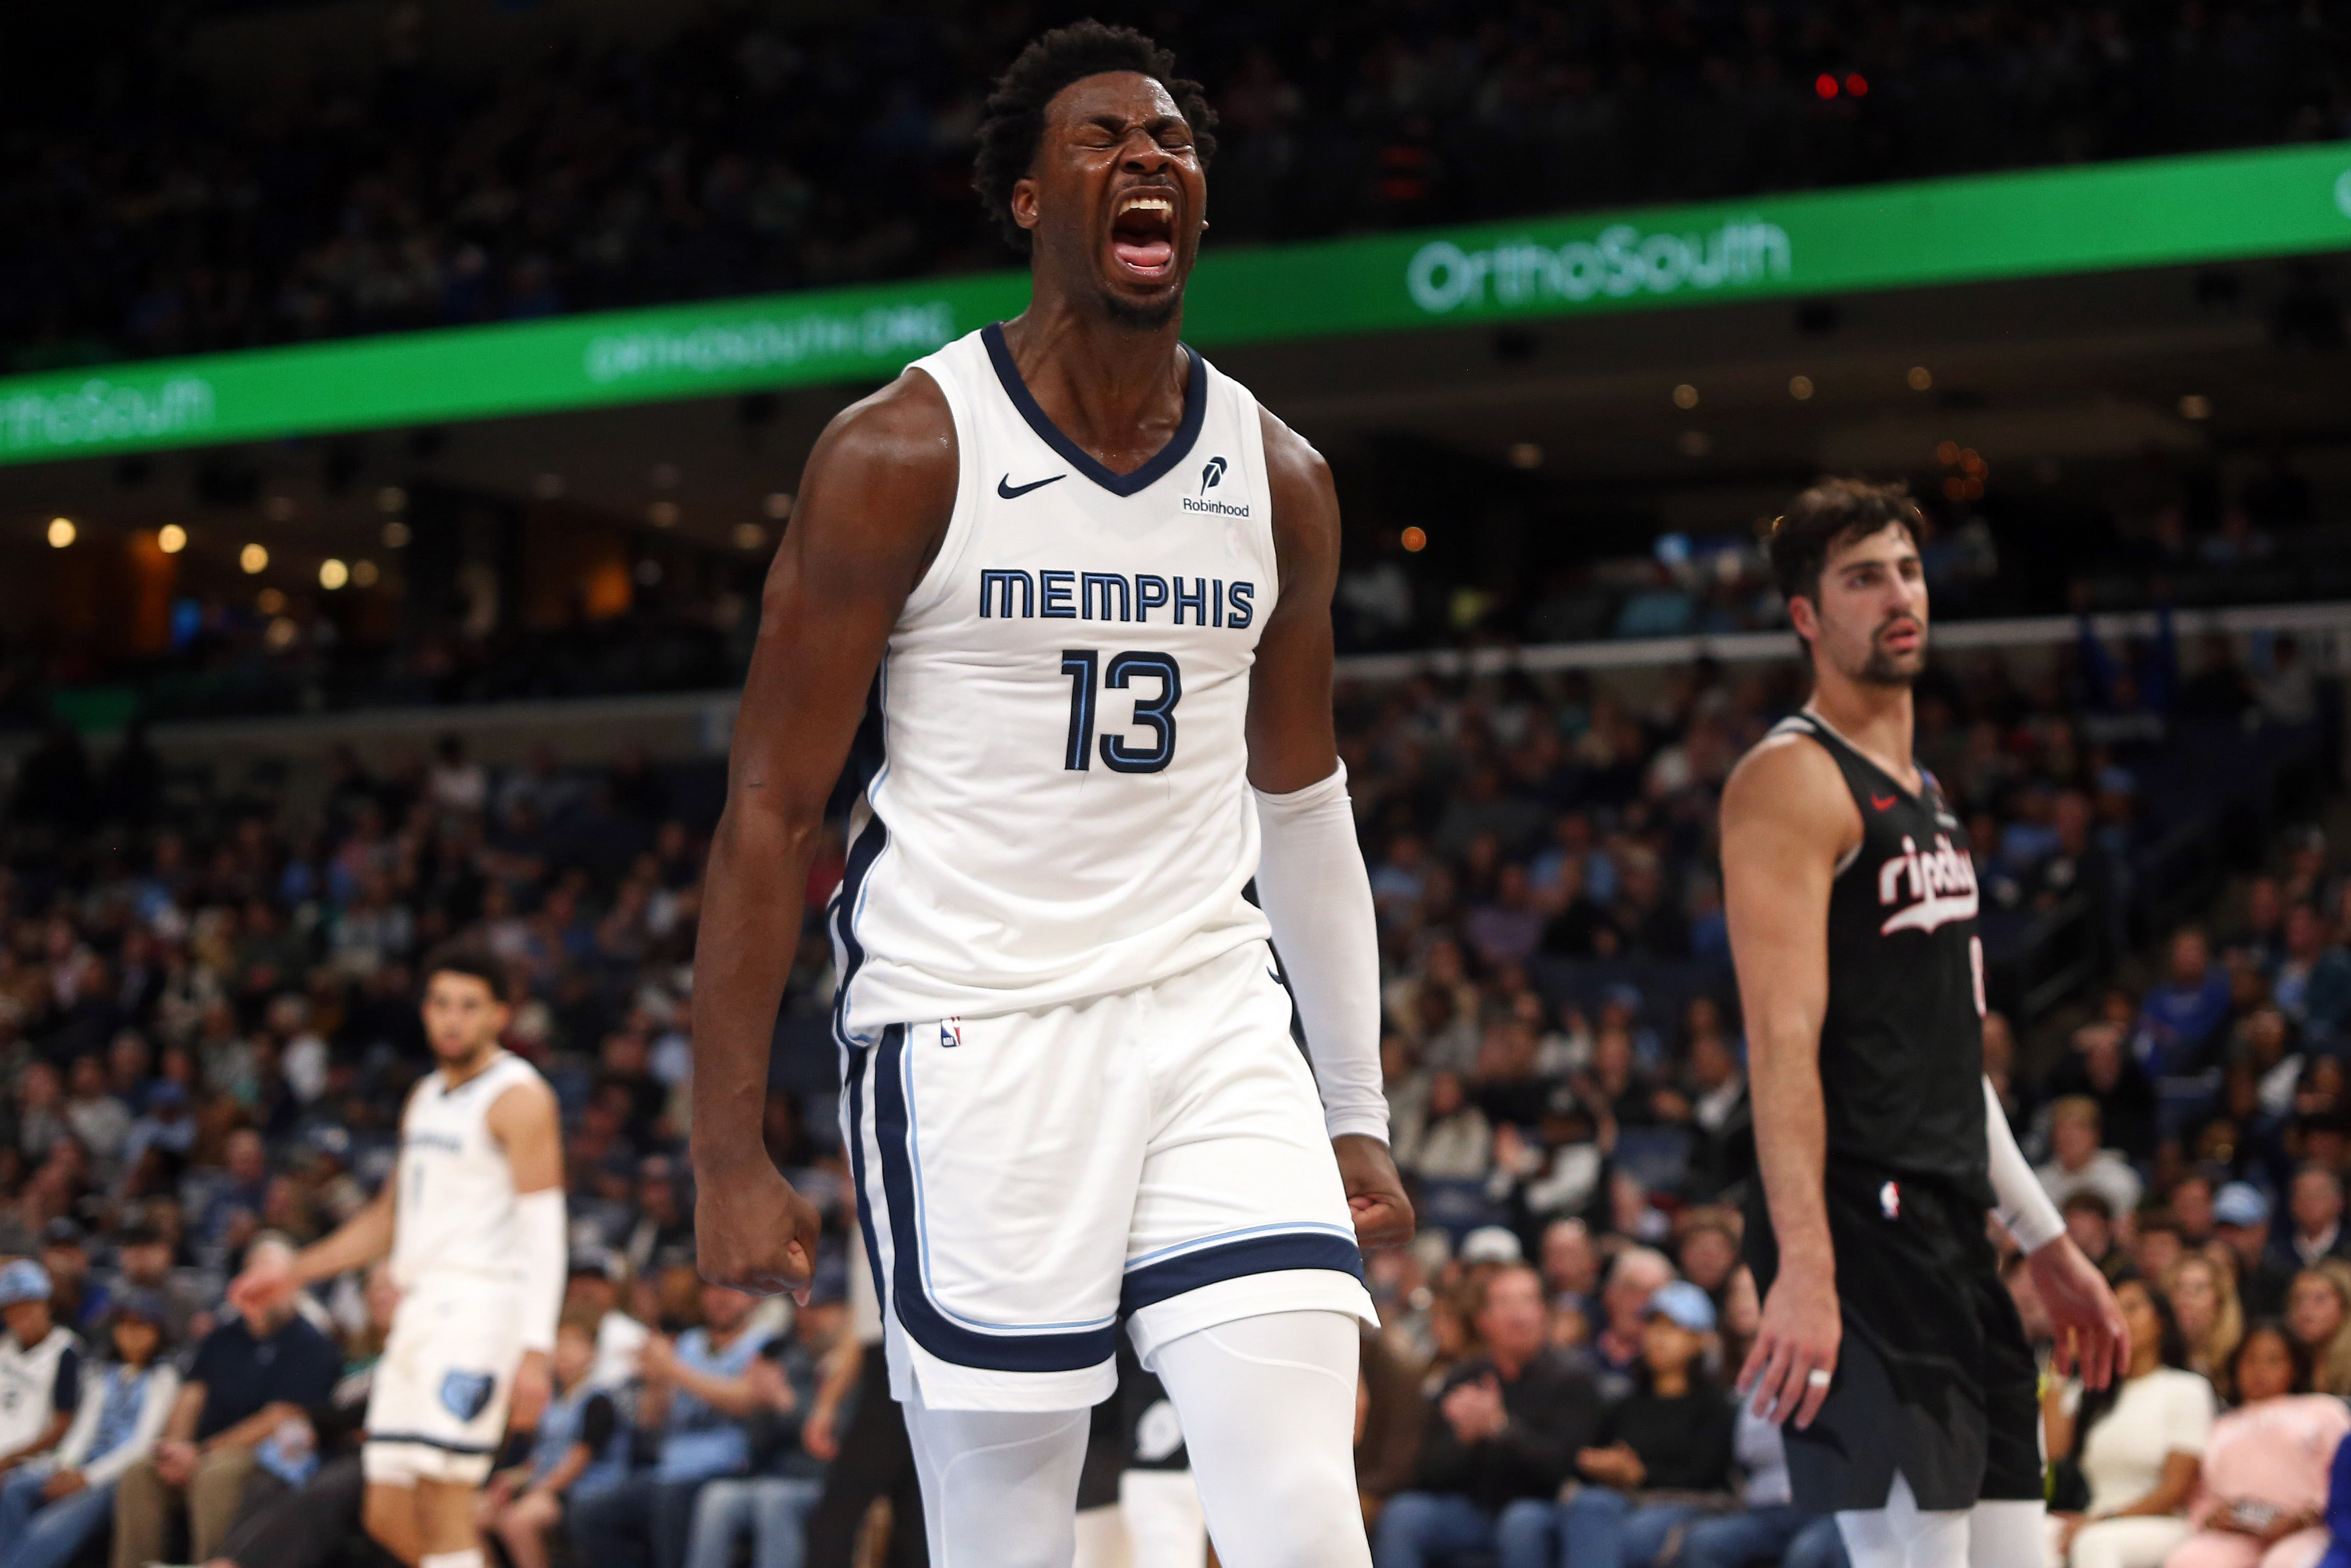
x: 1056, y: 804
x: 455, y: 1213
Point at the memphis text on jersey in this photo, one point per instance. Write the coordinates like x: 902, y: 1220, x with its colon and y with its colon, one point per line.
x: 1008, y: 592
x: 1926, y: 888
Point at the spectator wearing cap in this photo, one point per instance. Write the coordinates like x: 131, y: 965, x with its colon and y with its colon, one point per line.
x: 40, y: 1367
x: 50, y: 1507
x: 251, y: 1373
x: 2240, y: 1222
x: 1500, y: 1437
x: 1672, y: 1434
x: 2077, y: 1164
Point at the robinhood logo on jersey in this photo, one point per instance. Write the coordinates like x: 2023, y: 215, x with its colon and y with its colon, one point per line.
x: 1621, y: 261
x: 1211, y: 476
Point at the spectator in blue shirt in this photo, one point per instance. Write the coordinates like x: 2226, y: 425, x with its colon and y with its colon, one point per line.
x: 772, y: 1505
x: 699, y: 1393
x: 52, y: 1506
x: 2181, y: 1015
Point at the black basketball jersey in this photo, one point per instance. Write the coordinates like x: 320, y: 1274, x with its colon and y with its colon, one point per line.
x: 1902, y: 1040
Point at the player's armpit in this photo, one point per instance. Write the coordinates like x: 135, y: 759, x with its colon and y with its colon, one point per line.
x: 1292, y: 740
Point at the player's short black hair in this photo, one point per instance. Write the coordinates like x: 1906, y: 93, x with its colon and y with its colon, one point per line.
x: 458, y: 960
x: 1835, y: 511
x: 1015, y: 120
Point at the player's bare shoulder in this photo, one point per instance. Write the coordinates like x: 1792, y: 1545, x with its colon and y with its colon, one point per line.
x: 1305, y: 503
x: 883, y: 473
x: 1789, y: 786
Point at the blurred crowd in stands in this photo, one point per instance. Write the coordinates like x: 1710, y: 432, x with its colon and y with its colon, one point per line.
x: 208, y: 1024
x: 147, y: 213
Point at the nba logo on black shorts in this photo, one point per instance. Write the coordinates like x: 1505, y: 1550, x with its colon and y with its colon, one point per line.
x: 467, y: 1394
x: 1889, y: 1198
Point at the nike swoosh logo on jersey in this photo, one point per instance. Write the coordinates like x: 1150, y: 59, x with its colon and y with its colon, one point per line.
x: 1883, y: 802
x: 1010, y: 491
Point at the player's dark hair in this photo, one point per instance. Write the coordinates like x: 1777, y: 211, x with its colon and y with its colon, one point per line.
x: 461, y: 960
x: 2306, y: 1368
x: 1015, y: 120
x: 1835, y: 511
x: 2172, y: 1347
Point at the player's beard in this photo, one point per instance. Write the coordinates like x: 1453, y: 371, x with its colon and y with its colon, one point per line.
x: 1142, y: 317
x: 1883, y: 668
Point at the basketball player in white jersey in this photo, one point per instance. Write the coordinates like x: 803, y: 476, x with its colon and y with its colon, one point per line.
x: 473, y: 1220
x: 1060, y: 595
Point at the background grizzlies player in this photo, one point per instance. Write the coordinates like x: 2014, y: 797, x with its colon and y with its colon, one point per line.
x: 1887, y: 1333
x: 1085, y: 583
x: 473, y: 1219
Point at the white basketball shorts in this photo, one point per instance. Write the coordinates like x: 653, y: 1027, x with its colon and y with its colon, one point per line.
x: 1027, y: 1181
x: 437, y: 1406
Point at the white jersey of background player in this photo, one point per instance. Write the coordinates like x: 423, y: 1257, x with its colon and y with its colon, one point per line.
x: 473, y: 1220
x: 1084, y: 581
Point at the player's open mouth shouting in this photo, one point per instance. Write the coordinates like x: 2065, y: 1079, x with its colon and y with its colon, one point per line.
x: 1143, y: 232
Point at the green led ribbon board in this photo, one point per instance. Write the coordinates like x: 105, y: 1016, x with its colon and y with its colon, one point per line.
x: 2160, y: 211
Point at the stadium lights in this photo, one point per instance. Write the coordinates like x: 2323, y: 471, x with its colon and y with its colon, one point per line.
x: 1921, y: 377
x: 749, y: 535
x: 1799, y: 387
x: 2195, y: 405
x: 1414, y: 540
x: 364, y: 572
x: 1686, y: 396
x: 333, y: 574
x: 1526, y: 455
x: 171, y: 538
x: 61, y: 532
x: 396, y: 535
x: 778, y: 505
x: 254, y: 559
x: 1825, y: 85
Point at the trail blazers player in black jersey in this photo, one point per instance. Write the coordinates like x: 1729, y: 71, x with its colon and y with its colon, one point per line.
x: 1889, y: 1346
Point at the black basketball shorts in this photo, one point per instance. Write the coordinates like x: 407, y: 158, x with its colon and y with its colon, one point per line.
x: 1934, y: 1377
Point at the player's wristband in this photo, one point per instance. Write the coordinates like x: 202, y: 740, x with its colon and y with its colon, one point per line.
x: 2023, y: 1205
x: 540, y: 1249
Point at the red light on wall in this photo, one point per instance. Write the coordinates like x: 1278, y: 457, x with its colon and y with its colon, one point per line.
x: 1825, y: 85
x: 1857, y: 85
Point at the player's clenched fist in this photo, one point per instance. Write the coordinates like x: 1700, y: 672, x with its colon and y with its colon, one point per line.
x: 1374, y: 1192
x: 753, y: 1232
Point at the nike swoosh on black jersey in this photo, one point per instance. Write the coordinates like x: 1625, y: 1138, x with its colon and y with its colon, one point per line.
x: 1008, y: 490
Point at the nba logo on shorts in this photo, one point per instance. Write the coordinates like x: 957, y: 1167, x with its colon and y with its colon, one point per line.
x: 950, y: 1031
x: 465, y: 1394
x: 1889, y: 1198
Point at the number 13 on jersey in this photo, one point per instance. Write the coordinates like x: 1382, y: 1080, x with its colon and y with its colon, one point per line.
x: 1155, y: 713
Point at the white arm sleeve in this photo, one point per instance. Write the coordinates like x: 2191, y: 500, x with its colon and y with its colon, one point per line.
x: 2022, y: 1202
x: 1311, y: 884
x: 539, y: 1242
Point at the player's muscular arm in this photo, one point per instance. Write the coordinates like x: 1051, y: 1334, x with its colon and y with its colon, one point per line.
x: 1787, y: 820
x: 1311, y: 878
x: 874, y: 504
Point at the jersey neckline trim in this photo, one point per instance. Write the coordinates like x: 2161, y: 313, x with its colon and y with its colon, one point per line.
x: 1179, y: 446
x: 1918, y: 797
